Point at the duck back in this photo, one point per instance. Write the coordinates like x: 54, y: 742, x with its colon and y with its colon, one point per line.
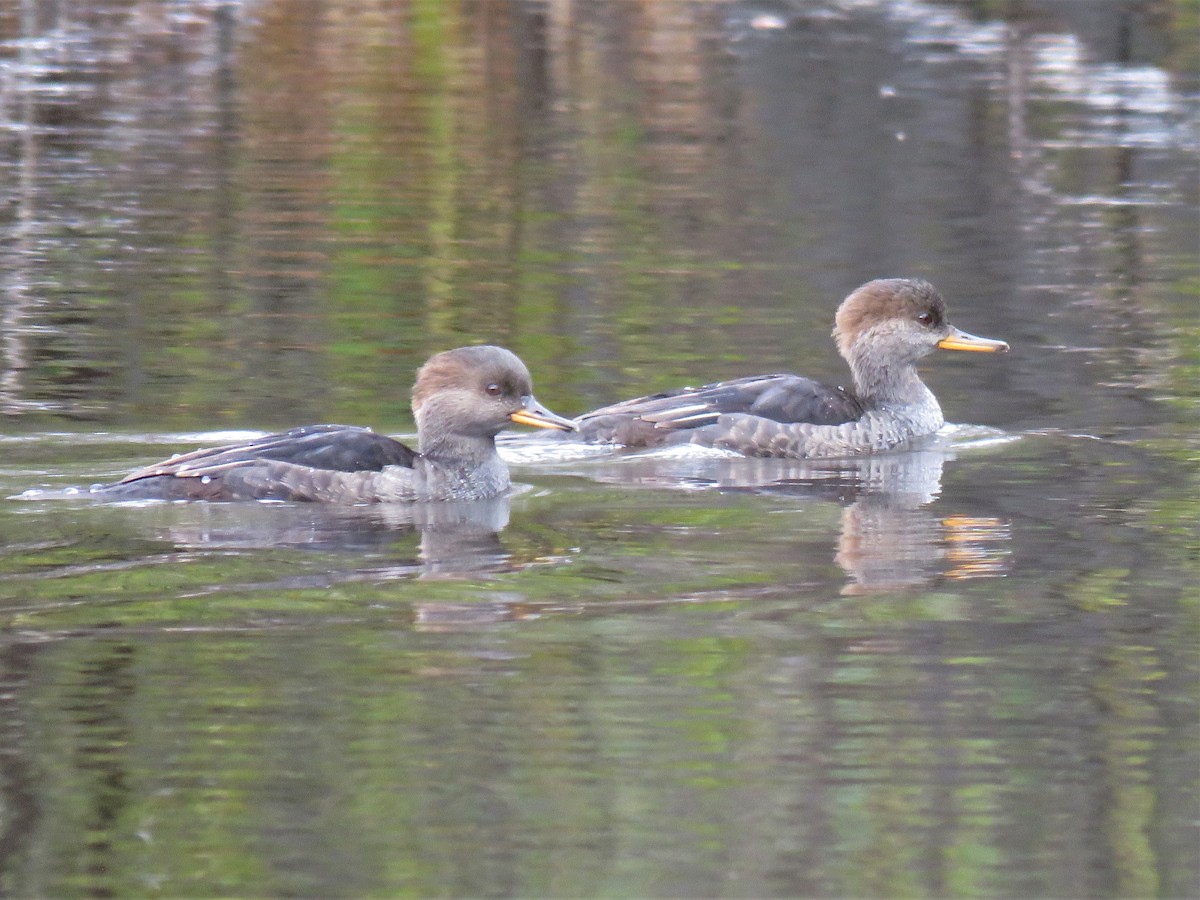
x: 672, y: 416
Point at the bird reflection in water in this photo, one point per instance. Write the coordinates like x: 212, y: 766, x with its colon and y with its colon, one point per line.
x: 892, y: 536
x: 369, y: 543
x: 457, y: 538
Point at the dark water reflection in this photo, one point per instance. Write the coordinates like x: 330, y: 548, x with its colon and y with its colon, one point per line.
x: 969, y: 670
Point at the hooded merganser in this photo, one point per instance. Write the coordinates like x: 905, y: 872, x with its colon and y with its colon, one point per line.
x: 881, y: 330
x: 461, y: 400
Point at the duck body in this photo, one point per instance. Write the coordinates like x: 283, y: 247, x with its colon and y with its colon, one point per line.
x: 461, y: 400
x: 882, y: 329
x: 686, y: 414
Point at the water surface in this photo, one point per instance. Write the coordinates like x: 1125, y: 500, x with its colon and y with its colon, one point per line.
x: 968, y: 670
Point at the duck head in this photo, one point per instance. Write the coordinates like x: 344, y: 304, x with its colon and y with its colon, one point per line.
x: 474, y: 392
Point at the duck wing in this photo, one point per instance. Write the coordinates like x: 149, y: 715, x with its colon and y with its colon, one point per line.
x: 669, y: 416
x: 312, y: 462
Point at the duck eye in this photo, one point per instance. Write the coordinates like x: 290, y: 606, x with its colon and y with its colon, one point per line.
x: 925, y: 318
x: 494, y: 389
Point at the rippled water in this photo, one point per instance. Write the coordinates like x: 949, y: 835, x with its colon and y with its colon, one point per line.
x: 965, y: 670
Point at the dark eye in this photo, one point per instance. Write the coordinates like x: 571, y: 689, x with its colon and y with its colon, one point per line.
x: 494, y: 389
x: 925, y: 318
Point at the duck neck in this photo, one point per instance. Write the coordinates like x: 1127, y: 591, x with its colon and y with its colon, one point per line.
x: 461, y: 467
x: 889, y: 385
x: 458, y: 449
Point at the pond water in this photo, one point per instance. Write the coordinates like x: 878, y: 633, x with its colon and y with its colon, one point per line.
x: 969, y: 670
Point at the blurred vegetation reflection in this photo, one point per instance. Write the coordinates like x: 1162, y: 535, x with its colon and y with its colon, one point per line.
x: 962, y: 674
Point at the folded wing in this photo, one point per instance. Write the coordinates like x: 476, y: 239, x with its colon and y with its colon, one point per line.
x: 313, y: 462
x: 673, y: 416
x: 338, y: 448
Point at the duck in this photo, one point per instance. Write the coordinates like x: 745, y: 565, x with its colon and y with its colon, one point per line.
x: 882, y: 329
x: 461, y: 400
